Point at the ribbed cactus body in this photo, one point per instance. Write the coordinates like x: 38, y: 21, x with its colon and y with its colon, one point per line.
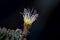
x: 7, y: 34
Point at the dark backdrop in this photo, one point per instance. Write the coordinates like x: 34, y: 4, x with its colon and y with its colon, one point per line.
x: 47, y: 24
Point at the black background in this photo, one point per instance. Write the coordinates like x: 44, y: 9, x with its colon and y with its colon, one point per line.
x: 48, y: 23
